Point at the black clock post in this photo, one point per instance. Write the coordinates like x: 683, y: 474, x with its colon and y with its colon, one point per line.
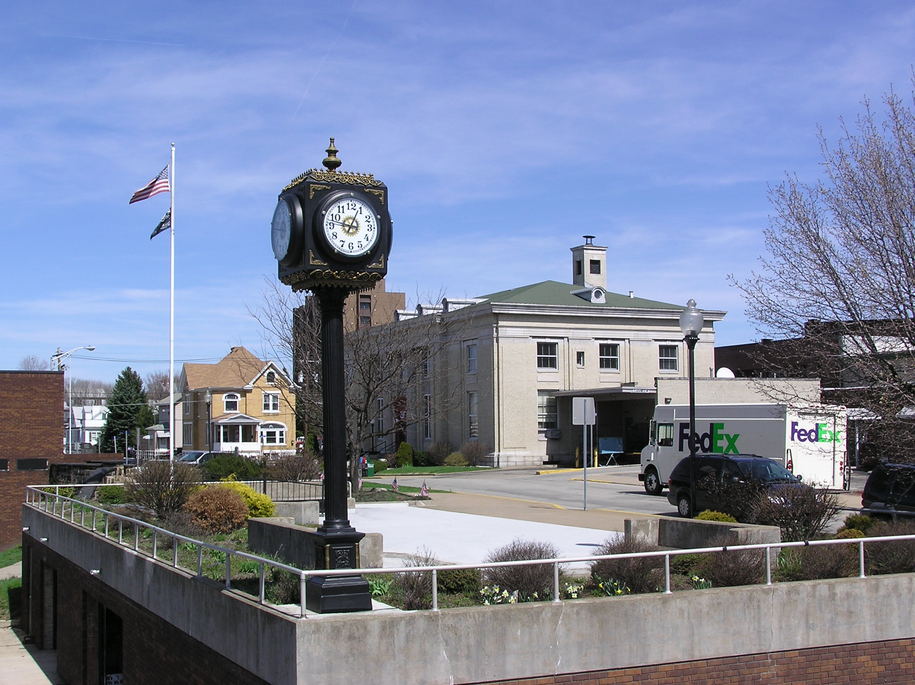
x: 331, y: 234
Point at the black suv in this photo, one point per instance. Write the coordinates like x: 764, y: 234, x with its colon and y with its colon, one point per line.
x: 715, y: 471
x: 890, y: 487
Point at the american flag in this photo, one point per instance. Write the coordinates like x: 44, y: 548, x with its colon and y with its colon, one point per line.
x: 424, y: 490
x: 158, y: 185
x: 394, y: 484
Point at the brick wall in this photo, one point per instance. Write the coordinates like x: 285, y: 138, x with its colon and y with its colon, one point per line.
x: 153, y: 651
x: 31, y: 427
x: 888, y: 662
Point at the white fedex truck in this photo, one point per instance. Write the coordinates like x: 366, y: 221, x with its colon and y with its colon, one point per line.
x: 808, y: 440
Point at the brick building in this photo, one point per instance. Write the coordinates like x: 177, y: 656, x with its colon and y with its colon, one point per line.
x: 32, y: 433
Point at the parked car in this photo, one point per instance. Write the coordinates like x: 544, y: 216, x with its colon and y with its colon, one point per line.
x: 713, y: 471
x: 195, y: 457
x: 890, y: 487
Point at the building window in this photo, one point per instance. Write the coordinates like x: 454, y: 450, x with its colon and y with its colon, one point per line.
x: 271, y: 402
x: 273, y: 434
x: 580, y: 359
x: 230, y: 400
x: 427, y: 417
x: 365, y: 303
x: 187, y: 435
x: 379, y: 415
x: 594, y: 266
x: 271, y: 377
x: 4, y: 464
x: 546, y: 410
x: 365, y: 320
x: 470, y: 354
x: 610, y: 356
x: 424, y: 367
x: 667, y: 357
x: 578, y: 267
x: 473, y: 426
x: 547, y: 355
x: 31, y: 464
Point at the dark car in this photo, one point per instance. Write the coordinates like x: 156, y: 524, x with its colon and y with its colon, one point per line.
x: 890, y: 487
x: 716, y: 471
x: 194, y: 457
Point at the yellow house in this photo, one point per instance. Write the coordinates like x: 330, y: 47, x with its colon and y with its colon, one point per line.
x: 240, y: 404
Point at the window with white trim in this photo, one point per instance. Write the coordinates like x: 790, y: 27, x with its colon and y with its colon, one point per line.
x: 668, y: 357
x: 546, y: 410
x: 547, y: 355
x: 230, y: 402
x: 271, y: 402
x: 610, y: 356
x: 273, y: 434
x: 473, y: 425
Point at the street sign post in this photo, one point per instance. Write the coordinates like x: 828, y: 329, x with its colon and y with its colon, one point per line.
x: 584, y: 415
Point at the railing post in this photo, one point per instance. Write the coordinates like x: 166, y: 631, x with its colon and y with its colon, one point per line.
x: 228, y: 569
x: 120, y: 532
x: 768, y: 566
x: 155, y: 545
x: 861, y: 573
x: 434, y: 590
x: 556, y: 596
x: 136, y: 538
x: 302, y: 581
x: 262, y: 585
x: 199, y: 560
x: 174, y: 552
x: 667, y: 590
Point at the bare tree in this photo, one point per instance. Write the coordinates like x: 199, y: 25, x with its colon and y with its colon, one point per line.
x: 386, y: 367
x: 34, y: 363
x: 156, y: 385
x: 838, y: 277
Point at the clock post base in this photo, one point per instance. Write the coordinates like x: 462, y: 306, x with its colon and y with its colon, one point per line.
x: 337, y: 549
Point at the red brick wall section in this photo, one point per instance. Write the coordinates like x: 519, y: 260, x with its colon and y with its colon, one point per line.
x: 31, y: 427
x: 154, y: 651
x: 889, y: 662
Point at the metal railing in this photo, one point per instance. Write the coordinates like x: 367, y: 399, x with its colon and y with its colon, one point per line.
x: 54, y: 504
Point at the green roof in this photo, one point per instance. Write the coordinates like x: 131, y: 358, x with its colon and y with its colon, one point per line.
x: 560, y: 294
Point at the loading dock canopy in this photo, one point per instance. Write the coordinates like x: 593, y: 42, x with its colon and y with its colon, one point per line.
x: 615, y: 393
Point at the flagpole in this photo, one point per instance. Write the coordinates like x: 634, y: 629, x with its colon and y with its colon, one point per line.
x: 171, y: 317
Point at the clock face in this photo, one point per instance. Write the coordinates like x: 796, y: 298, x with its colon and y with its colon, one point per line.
x: 281, y: 230
x: 349, y: 225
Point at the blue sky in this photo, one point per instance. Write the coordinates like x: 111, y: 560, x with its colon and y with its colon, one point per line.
x: 499, y: 127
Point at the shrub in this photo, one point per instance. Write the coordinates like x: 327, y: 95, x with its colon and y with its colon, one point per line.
x: 642, y: 574
x: 111, y: 494
x: 182, y: 523
x: 861, y: 522
x: 531, y: 581
x: 802, y: 513
x: 295, y: 467
x: 228, y: 464
x: 415, y: 587
x: 217, y: 508
x: 474, y: 451
x: 686, y: 564
x: 380, y: 465
x: 161, y: 486
x: 455, y: 459
x: 404, y: 455
x: 460, y: 581
x: 438, y: 452
x: 848, y: 533
x: 725, y: 569
x: 258, y: 504
x: 891, y: 557
x: 739, y: 499
x: 817, y: 562
x: 709, y: 515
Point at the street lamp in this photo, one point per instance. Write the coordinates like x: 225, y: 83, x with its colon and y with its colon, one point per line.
x: 57, y: 360
x: 690, y: 325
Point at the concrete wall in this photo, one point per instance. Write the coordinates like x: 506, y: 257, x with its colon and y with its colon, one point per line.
x: 480, y: 644
x: 295, y: 544
x: 739, y: 390
x: 679, y: 533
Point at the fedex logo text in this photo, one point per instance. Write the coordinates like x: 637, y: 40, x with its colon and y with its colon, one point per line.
x: 819, y: 433
x: 715, y: 441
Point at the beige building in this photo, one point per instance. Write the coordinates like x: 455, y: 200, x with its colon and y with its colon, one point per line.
x: 516, y: 358
x: 240, y: 404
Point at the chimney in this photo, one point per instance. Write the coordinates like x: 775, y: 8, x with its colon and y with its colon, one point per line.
x: 589, y: 264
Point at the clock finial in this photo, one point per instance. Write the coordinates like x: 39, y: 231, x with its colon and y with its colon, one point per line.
x: 331, y: 162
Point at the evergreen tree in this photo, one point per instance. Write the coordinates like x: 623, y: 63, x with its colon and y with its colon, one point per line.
x: 128, y: 410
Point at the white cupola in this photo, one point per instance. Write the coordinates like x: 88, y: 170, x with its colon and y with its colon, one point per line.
x: 589, y: 264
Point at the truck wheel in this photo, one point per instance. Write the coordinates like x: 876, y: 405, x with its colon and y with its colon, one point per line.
x: 684, y: 508
x: 652, y: 482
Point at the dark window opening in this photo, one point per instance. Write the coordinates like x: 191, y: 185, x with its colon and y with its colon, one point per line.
x: 111, y: 644
x: 31, y: 464
x: 595, y: 266
x: 578, y: 267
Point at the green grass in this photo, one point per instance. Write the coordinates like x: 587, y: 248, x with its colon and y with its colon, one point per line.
x: 428, y: 470
x: 10, y: 586
x: 10, y: 556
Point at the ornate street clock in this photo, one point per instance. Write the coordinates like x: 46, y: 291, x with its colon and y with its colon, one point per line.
x: 332, y: 228
x: 331, y: 234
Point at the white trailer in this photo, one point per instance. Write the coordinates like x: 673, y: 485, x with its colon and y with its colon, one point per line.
x: 808, y: 440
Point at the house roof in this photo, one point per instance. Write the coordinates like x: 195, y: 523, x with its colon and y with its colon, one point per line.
x: 236, y: 370
x: 561, y: 294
